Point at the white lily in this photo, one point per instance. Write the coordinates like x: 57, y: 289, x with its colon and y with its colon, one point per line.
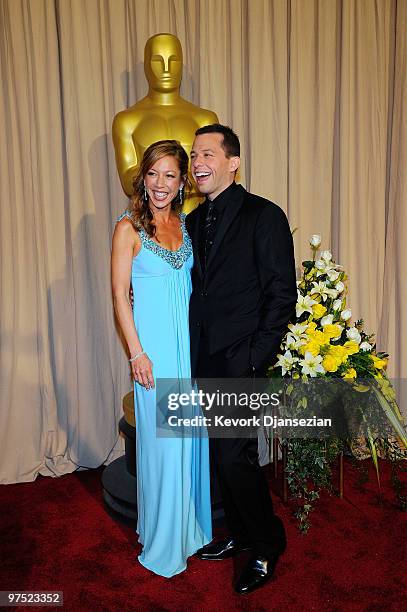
x: 337, y: 304
x: 293, y: 343
x: 323, y: 267
x: 311, y: 366
x: 339, y: 286
x: 286, y: 362
x: 304, y: 304
x: 326, y: 256
x: 298, y: 329
x: 321, y: 289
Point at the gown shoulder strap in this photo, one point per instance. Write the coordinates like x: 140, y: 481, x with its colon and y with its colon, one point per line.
x: 124, y: 214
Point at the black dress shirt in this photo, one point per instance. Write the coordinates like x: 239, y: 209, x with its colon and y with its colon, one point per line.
x: 211, y: 215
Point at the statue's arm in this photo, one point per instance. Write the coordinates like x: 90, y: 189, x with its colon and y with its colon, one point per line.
x: 126, y: 155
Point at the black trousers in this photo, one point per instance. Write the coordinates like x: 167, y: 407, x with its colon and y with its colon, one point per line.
x: 245, y: 493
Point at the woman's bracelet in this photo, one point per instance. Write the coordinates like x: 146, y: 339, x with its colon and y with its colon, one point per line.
x: 136, y: 356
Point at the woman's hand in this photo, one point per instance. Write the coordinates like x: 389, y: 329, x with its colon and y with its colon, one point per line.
x: 142, y: 370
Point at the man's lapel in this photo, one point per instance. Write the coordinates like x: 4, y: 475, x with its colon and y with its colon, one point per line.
x: 230, y: 214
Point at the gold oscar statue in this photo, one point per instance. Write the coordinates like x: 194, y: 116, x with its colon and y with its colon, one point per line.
x: 162, y: 114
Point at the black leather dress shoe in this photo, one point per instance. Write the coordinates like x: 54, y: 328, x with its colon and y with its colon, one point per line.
x: 221, y: 550
x: 257, y: 572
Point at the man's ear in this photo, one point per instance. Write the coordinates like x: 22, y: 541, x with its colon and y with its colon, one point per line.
x: 234, y: 163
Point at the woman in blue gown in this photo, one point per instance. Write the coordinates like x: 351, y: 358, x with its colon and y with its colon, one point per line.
x: 152, y: 251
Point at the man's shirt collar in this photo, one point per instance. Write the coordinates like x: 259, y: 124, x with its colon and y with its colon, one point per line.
x: 221, y: 200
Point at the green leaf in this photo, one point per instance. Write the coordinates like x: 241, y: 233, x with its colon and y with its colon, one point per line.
x: 373, y: 452
x: 393, y: 416
x: 308, y: 265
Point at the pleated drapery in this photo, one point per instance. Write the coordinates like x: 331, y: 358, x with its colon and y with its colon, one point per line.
x: 315, y: 89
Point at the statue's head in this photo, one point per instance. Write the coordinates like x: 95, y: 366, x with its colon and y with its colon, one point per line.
x: 163, y: 62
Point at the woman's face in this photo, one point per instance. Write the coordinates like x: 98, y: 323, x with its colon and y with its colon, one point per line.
x: 162, y: 182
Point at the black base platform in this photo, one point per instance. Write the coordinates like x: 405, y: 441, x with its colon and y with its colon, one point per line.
x: 120, y: 482
x: 120, y: 489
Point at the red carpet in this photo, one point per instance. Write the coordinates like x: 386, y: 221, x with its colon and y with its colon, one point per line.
x: 56, y: 535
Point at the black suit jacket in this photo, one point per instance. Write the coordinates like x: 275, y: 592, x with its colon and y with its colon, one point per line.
x: 248, y: 290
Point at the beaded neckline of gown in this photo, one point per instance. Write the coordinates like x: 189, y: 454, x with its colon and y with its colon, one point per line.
x: 182, y: 220
x: 175, y: 259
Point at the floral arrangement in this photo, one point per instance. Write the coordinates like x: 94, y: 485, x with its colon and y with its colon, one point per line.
x: 324, y: 343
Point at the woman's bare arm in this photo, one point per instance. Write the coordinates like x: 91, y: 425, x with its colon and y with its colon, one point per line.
x: 126, y: 244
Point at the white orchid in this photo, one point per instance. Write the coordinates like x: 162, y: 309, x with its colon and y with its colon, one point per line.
x: 286, y: 362
x: 366, y: 346
x: 321, y: 289
x: 311, y: 366
x: 346, y: 314
x: 304, y: 304
x: 340, y: 286
x: 353, y: 334
x: 315, y: 241
x: 337, y: 305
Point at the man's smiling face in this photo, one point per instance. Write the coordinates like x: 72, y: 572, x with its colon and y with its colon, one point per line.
x: 212, y: 170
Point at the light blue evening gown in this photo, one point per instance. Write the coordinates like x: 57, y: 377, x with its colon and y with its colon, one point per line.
x: 173, y: 482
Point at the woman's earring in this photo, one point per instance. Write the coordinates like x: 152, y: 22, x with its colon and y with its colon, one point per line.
x: 181, y: 195
x: 145, y: 194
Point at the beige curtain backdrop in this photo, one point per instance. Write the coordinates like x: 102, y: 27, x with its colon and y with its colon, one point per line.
x: 316, y: 90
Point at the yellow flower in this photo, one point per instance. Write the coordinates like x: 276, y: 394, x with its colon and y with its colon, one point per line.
x: 330, y: 363
x: 319, y: 310
x: 311, y: 347
x: 351, y: 373
x: 378, y: 363
x: 318, y: 336
x: 339, y: 352
x: 351, y: 347
x: 311, y: 326
x: 333, y: 330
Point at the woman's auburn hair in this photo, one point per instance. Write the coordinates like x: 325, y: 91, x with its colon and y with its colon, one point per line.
x: 139, y: 209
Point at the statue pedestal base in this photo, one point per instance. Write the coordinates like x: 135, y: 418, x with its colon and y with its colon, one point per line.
x: 119, y: 478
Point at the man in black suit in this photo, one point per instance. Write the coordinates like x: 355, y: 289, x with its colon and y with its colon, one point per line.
x: 244, y: 294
